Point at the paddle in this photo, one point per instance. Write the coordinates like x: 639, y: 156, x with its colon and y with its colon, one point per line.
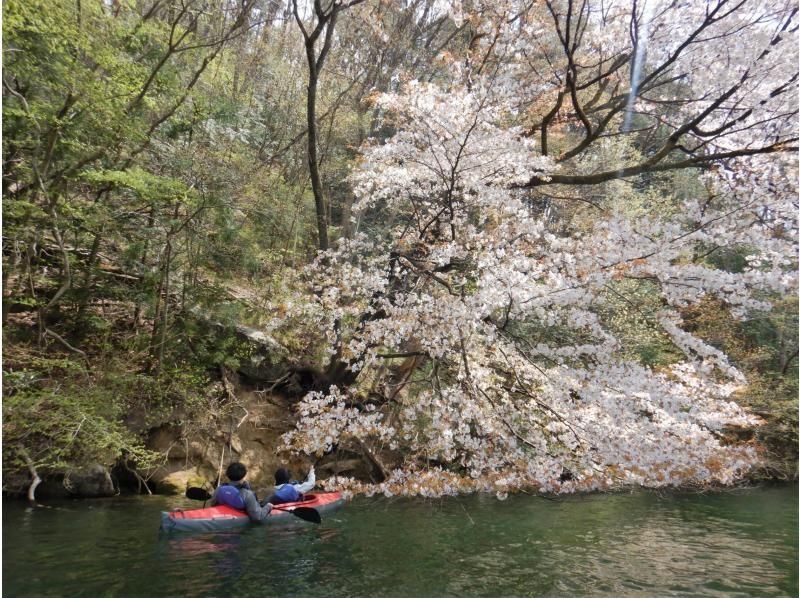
x: 304, y: 513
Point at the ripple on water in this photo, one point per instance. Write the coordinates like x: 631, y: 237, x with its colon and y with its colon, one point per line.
x: 637, y: 544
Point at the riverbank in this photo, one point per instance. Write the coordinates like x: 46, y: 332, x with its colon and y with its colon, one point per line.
x: 105, y: 425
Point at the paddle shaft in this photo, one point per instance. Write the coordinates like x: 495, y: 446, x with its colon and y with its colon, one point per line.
x: 304, y: 513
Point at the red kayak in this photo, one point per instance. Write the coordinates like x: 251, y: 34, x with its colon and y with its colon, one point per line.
x: 223, y: 517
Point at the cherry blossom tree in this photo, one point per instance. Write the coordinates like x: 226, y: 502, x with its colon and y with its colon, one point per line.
x: 513, y: 203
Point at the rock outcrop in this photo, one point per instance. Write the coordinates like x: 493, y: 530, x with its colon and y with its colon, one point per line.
x: 93, y: 481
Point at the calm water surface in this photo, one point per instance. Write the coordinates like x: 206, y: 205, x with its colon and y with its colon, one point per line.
x: 736, y: 543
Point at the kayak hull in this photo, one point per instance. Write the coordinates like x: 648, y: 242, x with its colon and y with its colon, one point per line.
x: 223, y: 517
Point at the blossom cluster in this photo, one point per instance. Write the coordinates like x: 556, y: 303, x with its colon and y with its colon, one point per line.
x: 523, y: 384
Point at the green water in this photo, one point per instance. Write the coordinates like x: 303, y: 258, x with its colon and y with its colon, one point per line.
x: 736, y: 543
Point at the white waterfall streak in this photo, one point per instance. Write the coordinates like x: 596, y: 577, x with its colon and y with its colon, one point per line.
x: 642, y: 35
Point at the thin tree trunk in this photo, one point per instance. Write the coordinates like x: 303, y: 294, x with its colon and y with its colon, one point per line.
x: 163, y: 336
x: 313, y: 160
x: 8, y: 268
x: 137, y: 312
x: 221, y: 461
x: 87, y: 279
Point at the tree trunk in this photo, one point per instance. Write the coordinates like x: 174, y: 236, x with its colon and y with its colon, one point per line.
x: 87, y: 278
x: 313, y: 160
x: 137, y: 312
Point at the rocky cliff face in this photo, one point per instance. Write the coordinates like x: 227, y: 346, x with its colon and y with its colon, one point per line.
x: 253, y: 437
x: 250, y: 435
x: 247, y: 428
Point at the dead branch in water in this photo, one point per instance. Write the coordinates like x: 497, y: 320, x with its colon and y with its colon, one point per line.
x: 34, y: 474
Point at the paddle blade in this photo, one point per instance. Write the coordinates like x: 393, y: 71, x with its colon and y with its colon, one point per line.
x: 304, y: 513
x: 197, y: 494
x: 307, y: 514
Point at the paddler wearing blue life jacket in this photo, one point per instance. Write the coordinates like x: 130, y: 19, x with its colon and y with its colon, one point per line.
x: 288, y: 491
x: 238, y: 494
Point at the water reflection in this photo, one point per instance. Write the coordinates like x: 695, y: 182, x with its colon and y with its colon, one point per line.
x: 213, y: 560
x: 635, y: 544
x: 663, y: 548
x: 663, y: 554
x: 258, y: 561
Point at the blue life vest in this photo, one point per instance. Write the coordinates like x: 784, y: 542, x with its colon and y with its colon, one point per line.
x: 230, y: 495
x: 286, y: 493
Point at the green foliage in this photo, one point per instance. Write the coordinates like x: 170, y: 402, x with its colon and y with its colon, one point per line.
x: 764, y: 347
x: 68, y: 423
x: 63, y: 415
x: 730, y: 259
x: 149, y: 187
x: 213, y: 346
x: 629, y: 311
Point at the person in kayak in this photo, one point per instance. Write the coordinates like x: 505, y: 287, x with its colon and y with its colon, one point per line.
x: 286, y: 491
x: 238, y: 494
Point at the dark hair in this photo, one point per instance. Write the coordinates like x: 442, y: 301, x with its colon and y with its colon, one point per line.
x: 282, y: 476
x: 235, y: 472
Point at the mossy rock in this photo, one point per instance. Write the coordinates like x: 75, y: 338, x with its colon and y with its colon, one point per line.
x: 177, y: 482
